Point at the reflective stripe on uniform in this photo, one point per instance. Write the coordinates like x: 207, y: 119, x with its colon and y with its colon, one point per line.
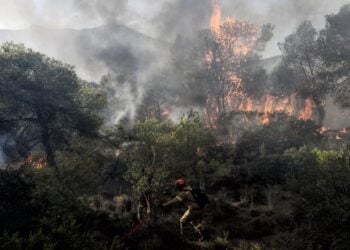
x: 185, y: 215
x: 178, y: 198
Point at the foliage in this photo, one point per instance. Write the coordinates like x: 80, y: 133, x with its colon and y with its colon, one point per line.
x: 18, y: 208
x: 65, y: 236
x: 83, y: 165
x: 270, y: 184
x: 43, y: 102
x: 334, y: 51
x: 167, y: 149
x: 301, y: 68
x: 316, y: 63
x: 275, y: 138
x: 322, y: 211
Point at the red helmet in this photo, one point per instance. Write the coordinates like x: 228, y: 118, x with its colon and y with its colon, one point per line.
x: 180, y: 182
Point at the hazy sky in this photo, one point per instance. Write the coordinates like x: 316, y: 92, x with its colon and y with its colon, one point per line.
x: 17, y: 14
x: 142, y: 14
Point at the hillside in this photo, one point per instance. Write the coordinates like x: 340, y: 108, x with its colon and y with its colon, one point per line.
x: 93, y: 51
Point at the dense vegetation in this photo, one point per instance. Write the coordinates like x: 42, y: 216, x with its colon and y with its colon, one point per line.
x: 72, y: 182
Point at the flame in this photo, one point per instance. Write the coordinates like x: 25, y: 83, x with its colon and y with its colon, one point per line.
x: 267, y: 109
x: 306, y: 114
x: 334, y: 134
x: 215, y: 20
x: 210, y: 112
x: 166, y: 112
x: 40, y: 165
x: 249, y: 105
x: 285, y: 105
x: 209, y: 58
x: 37, y: 164
x: 29, y: 159
x: 344, y: 130
x: 234, y: 40
x: 323, y: 130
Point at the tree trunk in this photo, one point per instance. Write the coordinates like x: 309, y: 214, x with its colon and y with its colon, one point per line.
x: 138, y: 209
x: 148, y: 206
x: 269, y: 197
x: 50, y: 156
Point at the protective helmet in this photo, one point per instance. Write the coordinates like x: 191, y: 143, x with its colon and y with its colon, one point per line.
x: 180, y: 182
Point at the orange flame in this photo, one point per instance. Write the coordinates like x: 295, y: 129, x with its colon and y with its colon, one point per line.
x: 323, y: 130
x: 37, y: 164
x: 166, y: 112
x: 215, y: 20
x: 40, y: 165
x: 267, y: 109
x: 234, y: 39
x: 344, y: 131
x: 306, y: 114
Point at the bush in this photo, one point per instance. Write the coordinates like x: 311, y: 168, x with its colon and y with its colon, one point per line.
x: 323, y: 209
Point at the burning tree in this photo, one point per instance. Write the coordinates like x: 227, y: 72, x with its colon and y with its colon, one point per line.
x: 231, y: 42
x: 225, y: 63
x: 232, y: 62
x: 300, y: 71
x: 237, y: 83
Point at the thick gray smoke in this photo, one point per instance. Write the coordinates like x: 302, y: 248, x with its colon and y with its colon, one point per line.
x: 109, y: 11
x: 182, y: 18
x: 138, y: 39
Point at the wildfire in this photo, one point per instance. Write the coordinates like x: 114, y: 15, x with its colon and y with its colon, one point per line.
x: 336, y: 134
x: 166, y: 112
x: 343, y: 133
x: 306, y: 114
x: 39, y: 163
x: 233, y: 41
x: 267, y: 109
x: 215, y: 20
x: 323, y: 130
x: 345, y: 130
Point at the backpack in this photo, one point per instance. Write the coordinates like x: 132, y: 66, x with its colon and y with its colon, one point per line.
x: 200, y: 197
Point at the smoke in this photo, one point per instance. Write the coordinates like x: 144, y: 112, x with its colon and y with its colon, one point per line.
x: 18, y: 14
x: 128, y: 98
x: 182, y: 18
x: 336, y: 118
x: 108, y: 11
x: 285, y: 15
x: 140, y: 39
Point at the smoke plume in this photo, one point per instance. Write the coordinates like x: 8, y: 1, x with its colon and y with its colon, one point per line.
x: 141, y: 40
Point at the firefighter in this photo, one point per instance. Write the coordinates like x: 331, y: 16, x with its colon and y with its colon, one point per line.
x: 194, y: 212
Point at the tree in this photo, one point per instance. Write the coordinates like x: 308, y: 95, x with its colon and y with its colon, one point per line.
x: 18, y: 210
x: 162, y: 152
x: 275, y: 138
x: 322, y: 204
x: 301, y: 70
x: 335, y: 52
x: 226, y: 53
x: 254, y: 76
x: 152, y: 105
x: 43, y: 102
